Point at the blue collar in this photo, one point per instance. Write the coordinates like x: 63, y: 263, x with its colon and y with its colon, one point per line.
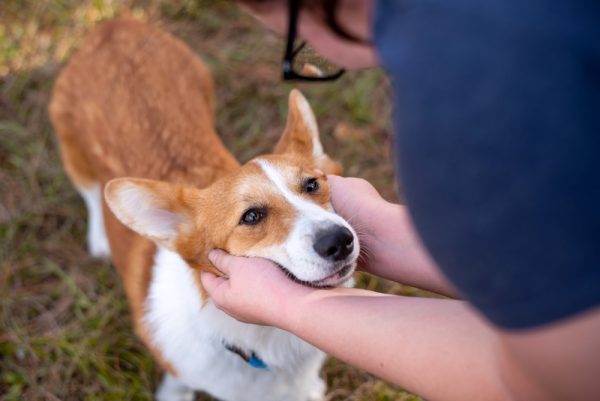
x: 250, y: 357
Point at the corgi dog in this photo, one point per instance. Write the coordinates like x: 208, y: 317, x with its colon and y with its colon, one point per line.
x: 133, y: 112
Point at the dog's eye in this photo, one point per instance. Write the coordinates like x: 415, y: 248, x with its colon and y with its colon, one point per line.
x: 310, y: 185
x: 253, y: 216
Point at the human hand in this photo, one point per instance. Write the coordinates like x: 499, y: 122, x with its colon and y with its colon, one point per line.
x: 353, y: 196
x: 254, y: 290
x: 390, y: 246
x: 357, y: 201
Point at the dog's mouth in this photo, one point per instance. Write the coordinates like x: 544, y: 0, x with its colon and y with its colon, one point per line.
x: 335, y: 279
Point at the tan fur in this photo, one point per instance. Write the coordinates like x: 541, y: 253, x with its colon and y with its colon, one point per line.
x: 141, y: 121
x: 297, y: 138
x: 136, y: 102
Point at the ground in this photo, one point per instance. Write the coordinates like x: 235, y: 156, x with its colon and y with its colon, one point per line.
x: 65, y: 333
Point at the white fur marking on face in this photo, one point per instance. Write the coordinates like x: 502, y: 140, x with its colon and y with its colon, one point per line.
x: 296, y: 200
x: 297, y: 253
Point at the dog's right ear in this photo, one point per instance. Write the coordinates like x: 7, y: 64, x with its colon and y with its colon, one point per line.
x: 301, y: 135
x: 154, y: 209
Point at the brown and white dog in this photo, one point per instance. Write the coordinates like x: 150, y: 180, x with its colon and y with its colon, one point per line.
x: 136, y: 102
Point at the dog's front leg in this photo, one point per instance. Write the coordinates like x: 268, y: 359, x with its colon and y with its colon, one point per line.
x: 171, y: 389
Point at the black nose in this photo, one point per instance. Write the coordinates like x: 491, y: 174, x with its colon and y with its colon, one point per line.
x: 334, y: 243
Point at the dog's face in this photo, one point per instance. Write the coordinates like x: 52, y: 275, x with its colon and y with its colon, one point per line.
x: 280, y: 210
x: 275, y: 206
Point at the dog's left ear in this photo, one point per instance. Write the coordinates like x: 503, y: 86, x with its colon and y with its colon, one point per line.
x: 171, y: 215
x: 301, y: 135
x: 157, y: 210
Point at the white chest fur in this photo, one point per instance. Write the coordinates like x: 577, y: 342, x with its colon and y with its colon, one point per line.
x: 191, y: 337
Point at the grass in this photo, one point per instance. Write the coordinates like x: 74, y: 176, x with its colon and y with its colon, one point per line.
x: 65, y: 332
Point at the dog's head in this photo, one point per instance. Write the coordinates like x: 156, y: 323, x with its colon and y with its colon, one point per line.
x: 275, y: 206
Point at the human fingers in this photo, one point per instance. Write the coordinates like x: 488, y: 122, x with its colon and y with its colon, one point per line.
x: 213, y: 284
x: 338, y: 193
x: 345, y: 185
x: 223, y: 261
x: 351, y: 196
x: 254, y: 290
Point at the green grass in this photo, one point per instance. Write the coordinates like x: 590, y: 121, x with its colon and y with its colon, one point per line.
x: 65, y: 332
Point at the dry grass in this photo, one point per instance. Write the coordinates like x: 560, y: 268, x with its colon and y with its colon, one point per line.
x: 64, y: 327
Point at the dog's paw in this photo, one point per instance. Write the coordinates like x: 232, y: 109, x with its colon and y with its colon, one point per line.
x: 98, y: 243
x: 317, y: 392
x: 172, y: 389
x: 178, y: 396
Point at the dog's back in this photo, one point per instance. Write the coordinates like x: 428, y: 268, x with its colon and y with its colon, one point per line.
x: 136, y: 102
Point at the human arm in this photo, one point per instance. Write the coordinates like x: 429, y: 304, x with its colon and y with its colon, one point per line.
x: 443, y: 350
x: 390, y: 246
x: 438, y: 348
x: 423, y: 345
x: 430, y: 347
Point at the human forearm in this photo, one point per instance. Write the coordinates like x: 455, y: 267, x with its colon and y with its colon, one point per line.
x: 437, y: 346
